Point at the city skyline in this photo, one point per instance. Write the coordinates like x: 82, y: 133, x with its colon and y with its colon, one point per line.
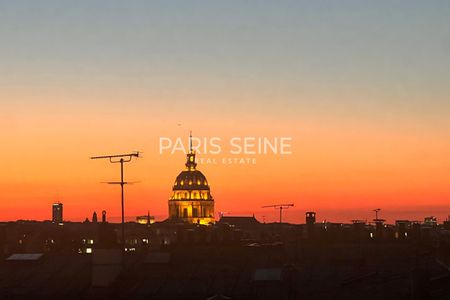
x: 294, y: 215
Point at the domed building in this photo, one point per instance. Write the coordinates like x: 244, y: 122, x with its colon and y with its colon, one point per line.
x: 191, y: 199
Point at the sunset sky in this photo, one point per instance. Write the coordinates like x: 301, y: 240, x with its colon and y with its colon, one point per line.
x: 362, y: 87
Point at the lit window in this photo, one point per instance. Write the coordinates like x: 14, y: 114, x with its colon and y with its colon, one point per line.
x: 190, y: 182
x: 88, y: 250
x: 182, y: 182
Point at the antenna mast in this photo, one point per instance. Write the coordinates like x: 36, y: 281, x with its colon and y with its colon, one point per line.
x: 120, y: 158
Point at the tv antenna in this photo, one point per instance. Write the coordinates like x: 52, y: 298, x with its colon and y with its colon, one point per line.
x: 120, y: 158
x: 280, y: 207
x: 377, y: 210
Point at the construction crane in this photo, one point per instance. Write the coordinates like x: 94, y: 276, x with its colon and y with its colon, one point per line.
x: 120, y: 158
x: 280, y: 207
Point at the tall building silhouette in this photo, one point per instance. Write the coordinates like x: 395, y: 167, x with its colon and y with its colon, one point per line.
x: 310, y: 217
x: 191, y: 199
x: 57, y: 212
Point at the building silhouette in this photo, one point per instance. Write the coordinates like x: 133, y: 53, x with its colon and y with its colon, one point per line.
x: 147, y: 219
x: 57, y: 212
x: 237, y: 255
x: 191, y: 200
x: 310, y: 217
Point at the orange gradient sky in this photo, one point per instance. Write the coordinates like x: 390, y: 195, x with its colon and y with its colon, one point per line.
x: 363, y: 94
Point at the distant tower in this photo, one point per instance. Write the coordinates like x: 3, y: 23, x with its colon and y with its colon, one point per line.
x: 94, y: 217
x: 104, y: 216
x: 310, y: 217
x: 57, y: 213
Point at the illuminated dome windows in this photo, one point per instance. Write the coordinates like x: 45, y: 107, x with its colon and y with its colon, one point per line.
x: 191, y: 200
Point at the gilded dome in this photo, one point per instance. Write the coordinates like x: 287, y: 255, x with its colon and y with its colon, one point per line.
x: 191, y: 180
x: 191, y: 199
x: 191, y: 183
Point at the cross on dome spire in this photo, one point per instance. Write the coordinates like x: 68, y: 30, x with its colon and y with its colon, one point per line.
x: 190, y: 141
x: 190, y: 162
